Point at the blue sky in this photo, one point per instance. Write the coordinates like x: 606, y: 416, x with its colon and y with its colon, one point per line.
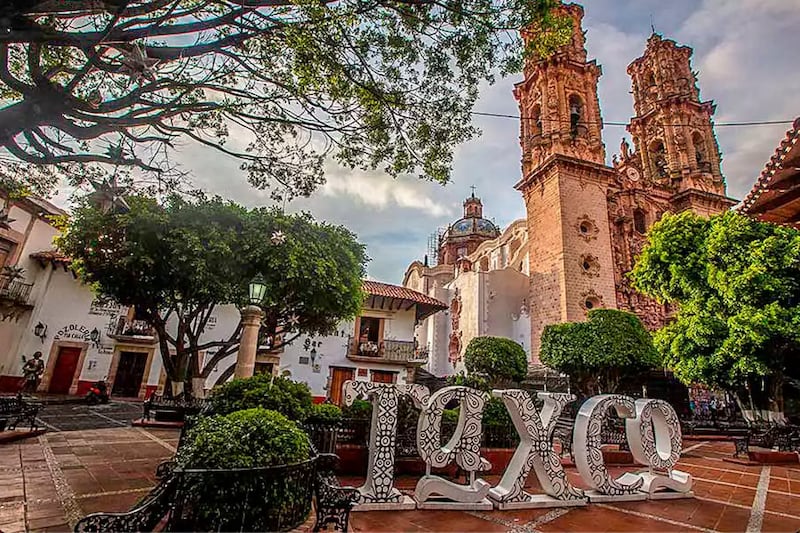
x: 743, y: 51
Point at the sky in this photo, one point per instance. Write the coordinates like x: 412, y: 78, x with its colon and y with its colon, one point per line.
x: 743, y: 51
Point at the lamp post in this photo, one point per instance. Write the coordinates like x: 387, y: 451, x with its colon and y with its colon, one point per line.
x: 251, y: 324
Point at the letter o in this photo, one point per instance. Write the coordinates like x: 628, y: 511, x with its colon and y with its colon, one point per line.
x: 655, y: 434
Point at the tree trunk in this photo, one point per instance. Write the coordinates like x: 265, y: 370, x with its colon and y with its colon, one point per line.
x: 776, y: 393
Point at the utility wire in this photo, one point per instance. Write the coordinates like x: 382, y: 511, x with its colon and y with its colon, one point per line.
x: 610, y: 123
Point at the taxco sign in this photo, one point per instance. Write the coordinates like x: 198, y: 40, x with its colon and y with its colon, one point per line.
x: 652, y: 429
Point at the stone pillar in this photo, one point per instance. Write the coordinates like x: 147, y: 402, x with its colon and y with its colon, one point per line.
x: 248, y: 346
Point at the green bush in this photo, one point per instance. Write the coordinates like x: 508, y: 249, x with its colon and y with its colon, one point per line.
x: 495, y: 414
x: 597, y: 354
x: 243, y: 439
x: 219, y: 500
x: 291, y: 399
x: 325, y: 413
x: 498, y: 358
x: 360, y: 409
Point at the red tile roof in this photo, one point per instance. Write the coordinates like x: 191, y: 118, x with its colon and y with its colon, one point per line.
x: 376, y: 288
x: 51, y: 256
x: 773, y: 166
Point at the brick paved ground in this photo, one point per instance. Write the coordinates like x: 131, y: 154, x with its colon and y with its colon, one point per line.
x: 47, y: 483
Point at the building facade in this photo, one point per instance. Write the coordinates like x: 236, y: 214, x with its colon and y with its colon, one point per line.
x: 84, y: 338
x: 586, y: 221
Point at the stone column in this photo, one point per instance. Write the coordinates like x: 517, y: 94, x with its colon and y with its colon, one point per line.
x: 246, y: 358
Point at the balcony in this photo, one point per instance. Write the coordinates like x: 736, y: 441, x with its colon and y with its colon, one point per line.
x: 132, y: 331
x: 14, y: 294
x: 386, y: 351
x: 15, y: 289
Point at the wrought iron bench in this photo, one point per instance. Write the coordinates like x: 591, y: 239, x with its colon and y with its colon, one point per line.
x: 333, y: 501
x: 176, y: 409
x: 613, y: 432
x: 563, y: 432
x: 16, y: 409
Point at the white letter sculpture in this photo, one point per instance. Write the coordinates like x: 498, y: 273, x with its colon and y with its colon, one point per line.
x: 535, y: 451
x: 464, y: 447
x: 589, y: 455
x: 655, y: 440
x: 378, y: 492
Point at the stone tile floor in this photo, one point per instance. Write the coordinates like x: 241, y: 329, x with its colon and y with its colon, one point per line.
x: 47, y: 483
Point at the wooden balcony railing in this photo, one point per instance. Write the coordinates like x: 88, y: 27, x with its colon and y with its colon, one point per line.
x: 386, y: 351
x: 136, y: 329
x: 15, y: 289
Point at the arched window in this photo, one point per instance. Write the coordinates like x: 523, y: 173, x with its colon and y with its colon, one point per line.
x: 536, y: 115
x: 658, y: 155
x: 699, y: 149
x: 575, y: 114
x: 639, y: 222
x: 649, y: 80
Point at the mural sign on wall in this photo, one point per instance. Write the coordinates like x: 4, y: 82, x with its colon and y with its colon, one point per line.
x: 72, y: 332
x: 651, y: 427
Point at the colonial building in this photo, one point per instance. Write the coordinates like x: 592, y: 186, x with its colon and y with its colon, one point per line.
x: 83, y: 338
x: 586, y: 221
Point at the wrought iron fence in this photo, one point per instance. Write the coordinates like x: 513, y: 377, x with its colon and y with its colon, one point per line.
x: 387, y: 350
x: 132, y: 328
x: 15, y: 289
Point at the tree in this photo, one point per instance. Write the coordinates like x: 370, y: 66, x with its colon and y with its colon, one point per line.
x: 737, y: 283
x: 176, y: 262
x: 599, y: 354
x: 383, y: 83
x: 497, y: 359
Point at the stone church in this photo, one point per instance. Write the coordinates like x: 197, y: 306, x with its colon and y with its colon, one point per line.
x: 586, y: 221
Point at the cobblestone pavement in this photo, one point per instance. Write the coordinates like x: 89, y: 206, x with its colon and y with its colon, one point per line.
x: 48, y: 483
x: 79, y: 416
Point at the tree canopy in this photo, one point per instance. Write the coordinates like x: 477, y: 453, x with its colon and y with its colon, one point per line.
x: 737, y: 283
x: 277, y: 84
x: 497, y: 359
x: 176, y: 262
x: 601, y: 352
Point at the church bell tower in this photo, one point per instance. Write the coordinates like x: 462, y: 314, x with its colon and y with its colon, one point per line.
x: 564, y: 184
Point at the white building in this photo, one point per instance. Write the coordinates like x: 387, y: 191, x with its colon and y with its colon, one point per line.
x: 84, y: 339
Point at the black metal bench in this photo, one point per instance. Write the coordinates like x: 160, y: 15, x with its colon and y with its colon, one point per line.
x: 563, y: 432
x: 333, y: 501
x: 171, y: 409
x: 16, y: 409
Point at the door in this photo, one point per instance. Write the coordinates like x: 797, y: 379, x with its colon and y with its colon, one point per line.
x: 130, y: 372
x: 64, y: 371
x: 338, y: 377
x: 382, y: 376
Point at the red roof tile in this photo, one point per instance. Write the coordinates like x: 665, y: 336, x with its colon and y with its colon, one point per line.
x: 376, y: 288
x: 774, y: 164
x: 51, y: 256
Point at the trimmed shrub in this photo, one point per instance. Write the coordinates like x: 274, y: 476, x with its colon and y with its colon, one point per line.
x: 498, y: 358
x: 597, y: 354
x: 291, y: 399
x: 325, y: 413
x: 216, y: 498
x: 243, y: 439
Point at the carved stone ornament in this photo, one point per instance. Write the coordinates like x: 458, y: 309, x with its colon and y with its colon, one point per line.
x: 464, y: 447
x: 535, y: 452
x: 587, y: 228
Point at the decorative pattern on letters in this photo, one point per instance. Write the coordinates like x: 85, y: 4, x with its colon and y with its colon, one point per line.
x: 378, y: 487
x: 589, y: 456
x: 535, y: 450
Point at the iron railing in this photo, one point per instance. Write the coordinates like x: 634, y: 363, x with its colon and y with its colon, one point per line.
x: 15, y: 289
x: 131, y: 328
x: 386, y: 350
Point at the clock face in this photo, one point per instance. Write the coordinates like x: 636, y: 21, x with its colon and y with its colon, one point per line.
x: 632, y: 173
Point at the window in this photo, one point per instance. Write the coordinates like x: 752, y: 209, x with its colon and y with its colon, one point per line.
x: 382, y: 376
x: 575, y: 114
x: 639, y: 223
x: 699, y: 149
x: 369, y: 329
x: 462, y: 252
x: 6, y: 251
x: 659, y: 159
x: 536, y: 115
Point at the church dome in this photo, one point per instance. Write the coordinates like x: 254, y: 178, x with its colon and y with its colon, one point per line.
x: 473, y: 226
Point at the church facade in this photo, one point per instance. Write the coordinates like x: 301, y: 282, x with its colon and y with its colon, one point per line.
x: 586, y: 221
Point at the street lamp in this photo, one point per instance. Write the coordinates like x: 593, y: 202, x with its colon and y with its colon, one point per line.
x: 258, y: 288
x: 94, y: 336
x: 252, y: 315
